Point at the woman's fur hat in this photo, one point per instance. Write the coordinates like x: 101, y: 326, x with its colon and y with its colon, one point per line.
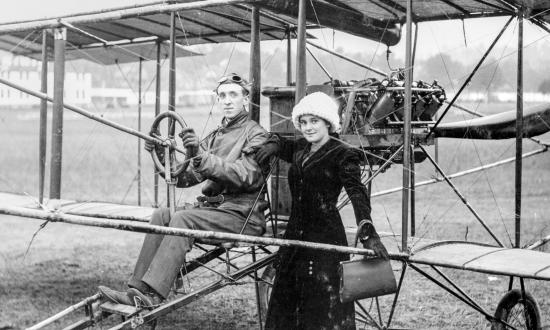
x: 318, y: 104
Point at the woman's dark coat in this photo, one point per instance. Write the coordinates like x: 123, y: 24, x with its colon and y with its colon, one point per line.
x: 305, y: 292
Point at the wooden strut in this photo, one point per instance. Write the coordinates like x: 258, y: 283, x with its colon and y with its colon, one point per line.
x: 375, y: 70
x: 42, y: 143
x: 405, y: 193
x: 201, y: 234
x: 463, y: 173
x: 60, y: 39
x: 90, y: 115
x: 65, y: 312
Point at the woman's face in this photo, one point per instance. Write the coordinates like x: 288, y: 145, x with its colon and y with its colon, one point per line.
x: 314, y: 129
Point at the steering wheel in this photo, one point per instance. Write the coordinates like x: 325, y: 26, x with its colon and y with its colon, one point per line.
x: 172, y: 144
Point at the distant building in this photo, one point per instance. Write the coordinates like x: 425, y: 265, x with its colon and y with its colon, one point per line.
x: 77, y: 88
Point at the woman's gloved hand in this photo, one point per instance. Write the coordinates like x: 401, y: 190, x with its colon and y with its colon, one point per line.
x: 265, y: 152
x: 369, y: 238
x: 373, y: 243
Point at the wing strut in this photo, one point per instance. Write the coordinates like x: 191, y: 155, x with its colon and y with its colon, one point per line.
x: 462, y: 198
x: 407, y: 132
x: 519, y: 129
x: 467, y: 81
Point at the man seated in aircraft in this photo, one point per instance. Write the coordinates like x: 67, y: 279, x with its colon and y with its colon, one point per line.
x: 232, y: 181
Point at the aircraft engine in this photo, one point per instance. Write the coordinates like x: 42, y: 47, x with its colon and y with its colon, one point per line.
x: 379, y: 104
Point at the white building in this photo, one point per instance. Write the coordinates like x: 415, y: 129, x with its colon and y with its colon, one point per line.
x: 26, y: 72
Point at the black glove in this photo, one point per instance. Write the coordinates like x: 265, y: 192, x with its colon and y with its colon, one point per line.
x: 373, y: 243
x: 190, y: 141
x: 265, y: 152
x: 369, y: 238
x: 149, y: 146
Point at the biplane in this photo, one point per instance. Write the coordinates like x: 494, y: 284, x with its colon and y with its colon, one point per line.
x: 392, y: 118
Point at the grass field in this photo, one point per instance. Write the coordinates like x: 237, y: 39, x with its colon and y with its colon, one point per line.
x: 66, y: 263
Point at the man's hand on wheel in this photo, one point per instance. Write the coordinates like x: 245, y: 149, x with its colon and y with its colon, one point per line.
x: 190, y: 141
x: 149, y: 146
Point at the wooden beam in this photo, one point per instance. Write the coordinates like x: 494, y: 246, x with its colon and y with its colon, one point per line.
x: 60, y: 38
x: 168, y: 160
x: 301, y: 72
x: 139, y: 129
x: 407, y: 132
x: 288, y: 56
x: 182, y: 232
x: 42, y: 142
x: 255, y: 66
x: 66, y: 312
x: 157, y: 112
x: 338, y: 18
x: 446, y: 17
x: 519, y: 131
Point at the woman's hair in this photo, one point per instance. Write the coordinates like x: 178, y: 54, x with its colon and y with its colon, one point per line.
x: 320, y: 105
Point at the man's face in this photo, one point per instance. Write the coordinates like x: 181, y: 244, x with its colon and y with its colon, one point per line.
x: 231, y: 99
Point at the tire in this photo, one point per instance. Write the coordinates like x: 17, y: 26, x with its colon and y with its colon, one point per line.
x: 518, y: 313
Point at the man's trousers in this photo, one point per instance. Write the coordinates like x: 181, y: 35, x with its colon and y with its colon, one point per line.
x: 162, y: 256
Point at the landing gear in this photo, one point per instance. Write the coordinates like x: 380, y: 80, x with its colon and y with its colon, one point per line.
x: 521, y: 312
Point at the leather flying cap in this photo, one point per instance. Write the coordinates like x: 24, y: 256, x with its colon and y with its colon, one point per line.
x: 234, y: 78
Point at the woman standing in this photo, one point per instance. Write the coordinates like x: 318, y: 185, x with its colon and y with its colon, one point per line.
x: 305, y: 293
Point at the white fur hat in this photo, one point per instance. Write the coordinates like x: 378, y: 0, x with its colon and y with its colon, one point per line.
x: 317, y: 104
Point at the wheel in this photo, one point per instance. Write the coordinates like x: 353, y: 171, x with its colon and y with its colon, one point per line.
x: 155, y: 131
x: 517, y: 312
x: 264, y: 286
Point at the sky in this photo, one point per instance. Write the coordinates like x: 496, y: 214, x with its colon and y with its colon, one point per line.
x: 434, y: 38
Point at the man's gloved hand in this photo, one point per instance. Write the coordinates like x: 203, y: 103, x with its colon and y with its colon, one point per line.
x: 369, y: 238
x: 190, y: 141
x: 149, y: 145
x: 265, y: 152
